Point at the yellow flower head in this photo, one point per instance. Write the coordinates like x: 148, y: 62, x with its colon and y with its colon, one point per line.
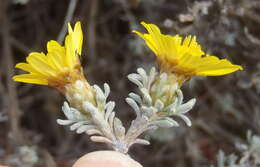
x: 59, y: 66
x: 184, y: 56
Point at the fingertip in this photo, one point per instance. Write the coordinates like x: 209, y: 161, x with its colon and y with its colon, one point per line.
x: 106, y: 159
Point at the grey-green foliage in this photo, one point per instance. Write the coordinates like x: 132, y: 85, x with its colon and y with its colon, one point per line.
x: 153, y: 97
x: 250, y: 154
x: 158, y: 101
x: 76, y: 120
x: 227, y: 161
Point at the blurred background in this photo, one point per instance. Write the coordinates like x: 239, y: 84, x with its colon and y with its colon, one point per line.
x: 227, y: 107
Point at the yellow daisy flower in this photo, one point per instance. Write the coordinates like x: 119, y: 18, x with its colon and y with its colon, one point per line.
x: 184, y: 56
x: 59, y: 66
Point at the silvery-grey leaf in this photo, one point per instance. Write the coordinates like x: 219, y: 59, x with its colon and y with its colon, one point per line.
x: 146, y: 96
x: 144, y: 76
x: 64, y: 122
x: 106, y: 89
x: 88, y: 107
x: 148, y: 111
x: 136, y: 97
x: 74, y: 110
x: 78, y: 116
x: 141, y: 141
x: 175, y: 123
x: 66, y: 110
x: 142, y: 72
x: 145, y: 117
x: 133, y: 104
x: 159, y: 105
x: 184, y: 108
x: 119, y: 128
x: 180, y: 97
x: 163, y: 123
x: 151, y: 77
x: 241, y: 147
x: 133, y: 78
x: 100, y: 96
x: 185, y: 119
x: 151, y: 127
x: 232, y: 160
x: 256, y: 139
x: 109, y: 109
x: 249, y: 135
x: 76, y: 125
x: 111, y: 119
x: 94, y: 132
x: 117, y: 122
x: 152, y: 74
x: 221, y: 159
x: 172, y: 107
x: 97, y: 116
x: 84, y: 128
x: 72, y: 113
x: 153, y: 71
x: 100, y: 139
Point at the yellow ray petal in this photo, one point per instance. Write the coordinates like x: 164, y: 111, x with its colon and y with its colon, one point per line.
x: 54, y: 59
x: 218, y: 70
x: 70, y: 52
x: 152, y: 29
x: 148, y: 41
x: 211, y: 65
x: 183, y: 56
x: 59, y: 65
x: 54, y: 46
x: 31, y: 78
x: 57, y: 51
x: 69, y: 28
x: 78, y: 37
x: 172, y: 52
x: 39, y: 62
x: 26, y: 67
x: 190, y: 46
x: 187, y: 41
x: 188, y: 60
x: 155, y: 34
